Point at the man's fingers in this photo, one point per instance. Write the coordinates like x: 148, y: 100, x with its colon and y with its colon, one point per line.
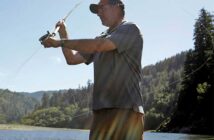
x: 60, y: 23
x: 45, y: 43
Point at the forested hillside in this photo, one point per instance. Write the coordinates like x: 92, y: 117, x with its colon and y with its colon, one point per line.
x: 39, y: 94
x: 160, y: 86
x: 72, y: 108
x: 13, y: 106
x: 69, y: 109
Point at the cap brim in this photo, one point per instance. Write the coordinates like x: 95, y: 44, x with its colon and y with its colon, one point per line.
x: 94, y: 8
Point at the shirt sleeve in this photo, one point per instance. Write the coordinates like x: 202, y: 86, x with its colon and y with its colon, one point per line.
x: 88, y: 56
x: 125, y: 36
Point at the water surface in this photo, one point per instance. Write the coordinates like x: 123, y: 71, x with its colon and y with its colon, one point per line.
x: 83, y: 135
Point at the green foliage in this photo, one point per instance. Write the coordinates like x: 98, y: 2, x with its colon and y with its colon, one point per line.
x: 45, y: 100
x: 153, y: 118
x: 51, y: 117
x: 68, y: 109
x: 195, y: 103
x: 160, y: 86
x: 203, y: 88
x: 13, y: 106
x: 71, y: 116
x: 3, y: 119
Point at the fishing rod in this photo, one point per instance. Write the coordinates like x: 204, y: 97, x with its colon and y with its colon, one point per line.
x: 42, y: 39
x: 48, y: 34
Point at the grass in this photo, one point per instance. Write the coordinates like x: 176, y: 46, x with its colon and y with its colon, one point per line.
x: 18, y: 127
x: 30, y: 128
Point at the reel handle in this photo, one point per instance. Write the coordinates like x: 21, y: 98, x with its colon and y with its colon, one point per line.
x: 42, y: 38
x: 55, y: 31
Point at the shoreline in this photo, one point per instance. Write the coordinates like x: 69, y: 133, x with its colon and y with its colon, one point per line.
x: 31, y: 128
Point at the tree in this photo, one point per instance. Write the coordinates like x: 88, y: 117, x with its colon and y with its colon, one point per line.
x: 195, y: 108
x: 45, y: 101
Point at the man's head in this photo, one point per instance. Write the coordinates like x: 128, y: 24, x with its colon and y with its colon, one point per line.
x: 109, y: 11
x: 95, y: 7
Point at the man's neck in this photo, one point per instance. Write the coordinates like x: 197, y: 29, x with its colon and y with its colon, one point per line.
x: 114, y: 26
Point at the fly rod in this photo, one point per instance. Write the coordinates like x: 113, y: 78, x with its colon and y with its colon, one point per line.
x: 48, y: 34
x: 42, y: 39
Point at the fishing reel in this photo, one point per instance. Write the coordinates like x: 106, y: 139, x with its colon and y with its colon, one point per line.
x: 46, y: 36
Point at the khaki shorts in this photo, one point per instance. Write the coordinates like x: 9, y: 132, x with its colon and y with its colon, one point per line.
x: 117, y: 124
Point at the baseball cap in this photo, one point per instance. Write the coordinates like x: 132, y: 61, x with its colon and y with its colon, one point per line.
x: 94, y: 7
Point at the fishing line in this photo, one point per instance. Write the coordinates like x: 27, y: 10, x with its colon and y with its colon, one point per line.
x: 191, y: 15
x: 37, y: 50
x: 82, y: 114
x: 25, y: 62
x: 177, y: 81
x: 52, y: 35
x: 48, y: 34
x: 15, y: 73
x: 197, y: 69
x: 54, y: 32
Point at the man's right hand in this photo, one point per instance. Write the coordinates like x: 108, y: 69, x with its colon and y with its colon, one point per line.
x: 62, y: 29
x: 51, y: 42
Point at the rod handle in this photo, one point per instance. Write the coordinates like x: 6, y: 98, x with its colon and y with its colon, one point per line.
x: 55, y: 31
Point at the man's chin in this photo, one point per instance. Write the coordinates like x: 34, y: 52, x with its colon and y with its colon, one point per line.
x: 103, y: 23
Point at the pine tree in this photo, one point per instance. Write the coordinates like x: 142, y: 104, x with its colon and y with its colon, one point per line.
x: 45, y: 100
x: 203, y: 78
x: 195, y: 107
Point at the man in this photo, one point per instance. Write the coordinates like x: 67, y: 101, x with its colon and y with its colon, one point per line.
x: 116, y: 54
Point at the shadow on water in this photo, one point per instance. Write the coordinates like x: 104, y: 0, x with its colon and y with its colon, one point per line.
x: 175, y: 136
x: 83, y: 135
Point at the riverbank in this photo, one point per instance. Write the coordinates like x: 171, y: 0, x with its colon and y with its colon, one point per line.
x: 28, y: 127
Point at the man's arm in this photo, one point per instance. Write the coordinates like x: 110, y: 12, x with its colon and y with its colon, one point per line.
x: 71, y: 57
x: 89, y: 45
x: 82, y: 45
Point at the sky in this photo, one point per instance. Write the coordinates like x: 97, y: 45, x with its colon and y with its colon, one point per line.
x: 25, y: 66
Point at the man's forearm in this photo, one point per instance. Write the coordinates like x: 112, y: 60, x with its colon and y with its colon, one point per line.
x: 68, y: 54
x: 88, y: 45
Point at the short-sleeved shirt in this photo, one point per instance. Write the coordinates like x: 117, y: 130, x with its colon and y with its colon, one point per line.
x: 117, y: 73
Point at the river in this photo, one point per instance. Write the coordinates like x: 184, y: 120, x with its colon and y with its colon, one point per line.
x: 83, y: 135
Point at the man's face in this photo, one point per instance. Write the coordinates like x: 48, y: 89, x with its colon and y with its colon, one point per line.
x: 106, y: 12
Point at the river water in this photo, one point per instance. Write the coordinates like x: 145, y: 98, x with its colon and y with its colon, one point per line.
x: 83, y: 135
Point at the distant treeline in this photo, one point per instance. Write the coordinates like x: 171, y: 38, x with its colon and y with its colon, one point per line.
x: 70, y: 108
x: 160, y: 86
x: 13, y: 106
